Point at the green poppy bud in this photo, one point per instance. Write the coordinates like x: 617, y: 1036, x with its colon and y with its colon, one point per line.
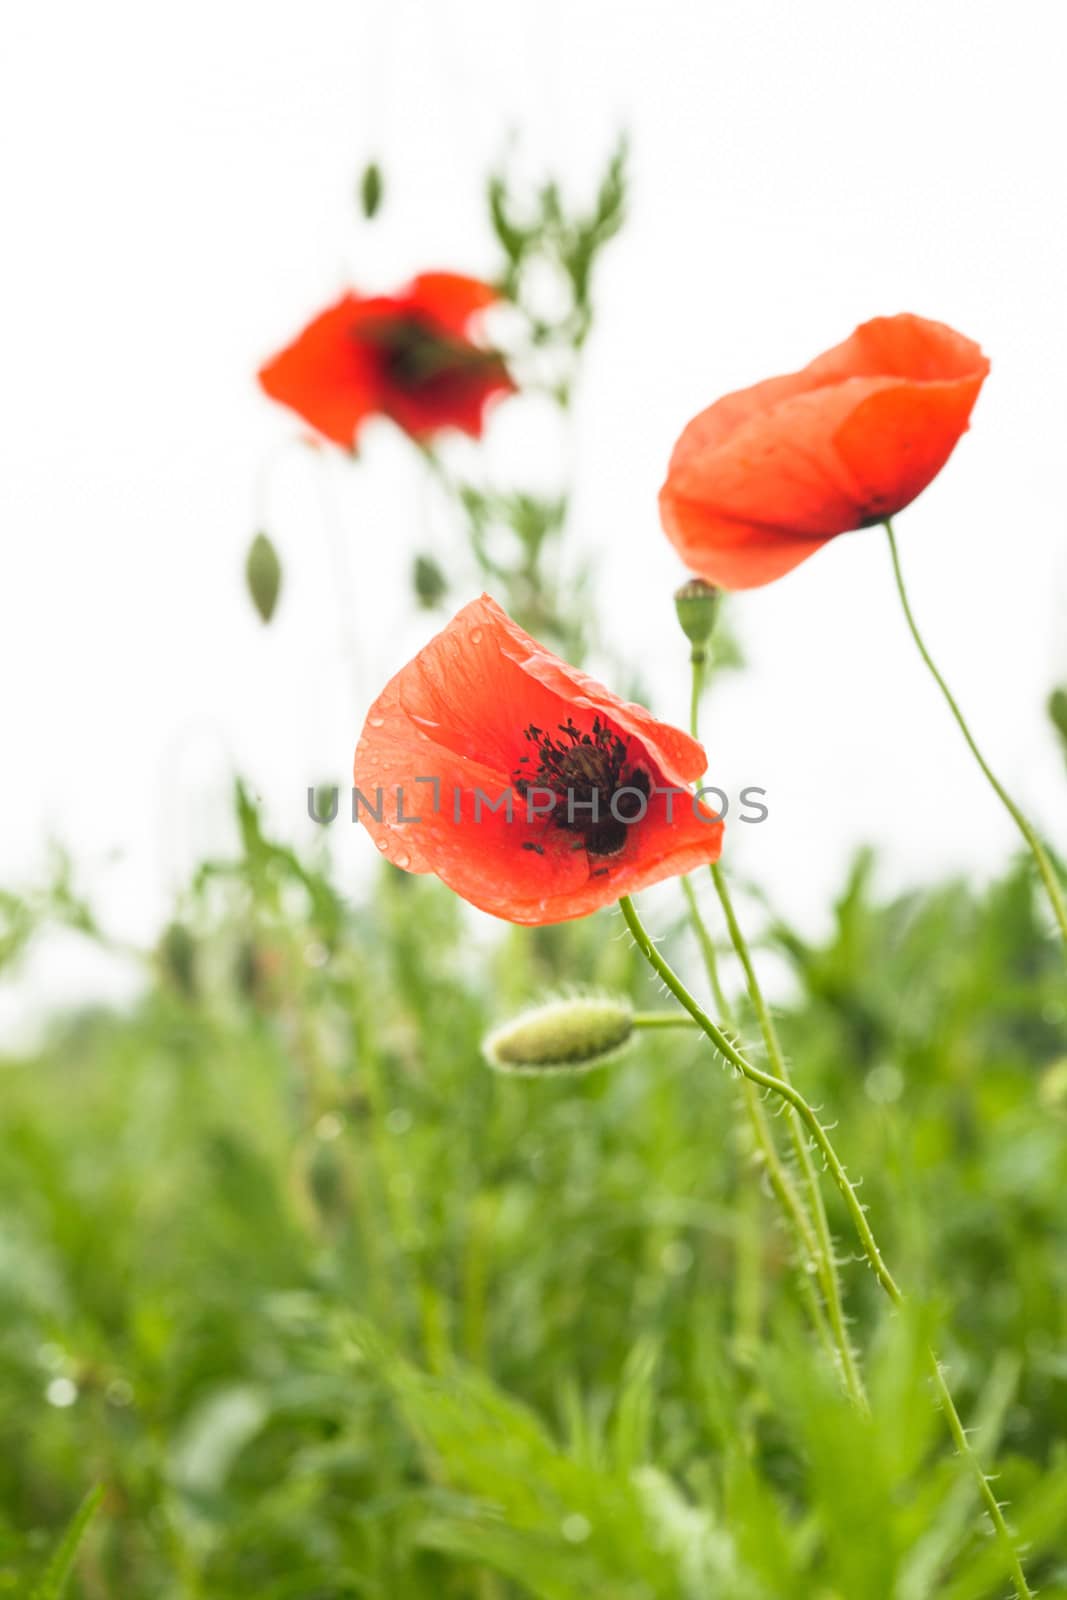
x: 371, y: 186
x: 263, y: 572
x: 697, y: 605
x: 572, y: 1034
x: 429, y: 582
x: 177, y: 956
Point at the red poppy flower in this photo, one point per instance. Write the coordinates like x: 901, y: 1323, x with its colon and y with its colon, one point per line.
x: 591, y: 794
x: 764, y: 477
x: 407, y: 356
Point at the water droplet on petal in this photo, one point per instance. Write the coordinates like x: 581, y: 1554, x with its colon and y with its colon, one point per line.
x: 376, y: 722
x: 402, y: 860
x: 383, y: 845
x: 476, y: 636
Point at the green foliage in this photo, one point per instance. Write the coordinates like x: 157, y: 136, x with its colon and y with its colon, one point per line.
x: 541, y: 236
x: 515, y: 538
x: 334, y: 1311
x: 54, y: 1580
x: 56, y: 903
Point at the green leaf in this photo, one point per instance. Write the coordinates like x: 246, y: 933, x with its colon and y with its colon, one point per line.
x: 513, y: 240
x: 263, y: 572
x: 54, y: 1578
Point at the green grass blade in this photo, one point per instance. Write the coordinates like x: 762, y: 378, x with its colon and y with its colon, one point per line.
x: 54, y: 1578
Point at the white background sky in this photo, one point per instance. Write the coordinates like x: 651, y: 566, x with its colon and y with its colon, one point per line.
x: 178, y: 192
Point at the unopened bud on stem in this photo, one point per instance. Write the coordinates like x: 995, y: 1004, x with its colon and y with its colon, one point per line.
x: 263, y: 574
x: 567, y: 1035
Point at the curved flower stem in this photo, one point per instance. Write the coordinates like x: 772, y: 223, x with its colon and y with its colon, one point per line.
x: 707, y: 949
x: 778, y: 1174
x: 793, y: 1098
x: 823, y: 1256
x: 1037, y: 849
x: 818, y: 1240
x: 766, y: 1080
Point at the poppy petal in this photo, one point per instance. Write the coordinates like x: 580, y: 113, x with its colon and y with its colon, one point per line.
x: 406, y: 356
x: 443, y: 743
x: 324, y: 375
x: 449, y: 298
x: 897, y: 440
x: 763, y: 477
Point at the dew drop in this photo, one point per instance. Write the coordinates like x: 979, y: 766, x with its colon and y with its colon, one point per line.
x: 383, y: 845
x: 376, y: 722
x: 61, y: 1392
x: 402, y: 860
x: 476, y: 636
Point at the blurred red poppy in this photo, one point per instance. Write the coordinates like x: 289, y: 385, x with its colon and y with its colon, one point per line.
x: 408, y: 356
x: 531, y: 790
x: 765, y: 476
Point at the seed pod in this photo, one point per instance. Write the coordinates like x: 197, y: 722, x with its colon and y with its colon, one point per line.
x: 697, y: 606
x: 566, y: 1035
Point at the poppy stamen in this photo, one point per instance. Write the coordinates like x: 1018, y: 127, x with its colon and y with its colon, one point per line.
x: 586, y: 771
x: 476, y: 686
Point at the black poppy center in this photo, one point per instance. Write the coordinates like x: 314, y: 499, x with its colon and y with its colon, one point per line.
x: 415, y: 352
x: 599, y: 793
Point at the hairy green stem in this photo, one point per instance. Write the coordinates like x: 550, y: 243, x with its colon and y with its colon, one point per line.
x: 823, y: 1256
x: 792, y: 1097
x: 707, y: 948
x: 817, y: 1238
x: 1037, y: 849
x: 661, y: 1019
x: 778, y: 1175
